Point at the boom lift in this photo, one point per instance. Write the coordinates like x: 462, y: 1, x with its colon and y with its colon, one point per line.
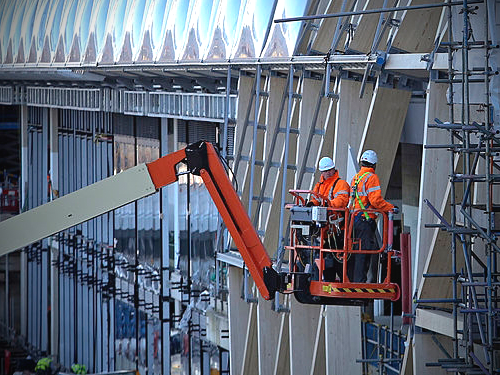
x: 310, y: 227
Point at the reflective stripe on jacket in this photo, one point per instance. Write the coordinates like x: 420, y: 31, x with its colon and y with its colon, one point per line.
x: 337, y: 193
x: 369, y: 191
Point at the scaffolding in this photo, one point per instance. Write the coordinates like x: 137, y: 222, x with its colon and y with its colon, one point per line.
x: 473, y: 199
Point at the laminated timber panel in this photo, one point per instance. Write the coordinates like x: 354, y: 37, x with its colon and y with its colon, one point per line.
x: 438, y: 321
x: 411, y: 161
x: 238, y: 314
x: 425, y: 350
x: 329, y: 135
x: 250, y: 358
x: 351, y: 117
x: 268, y: 333
x: 383, y: 128
x: 480, y: 199
x: 439, y: 261
x: 310, y: 32
x: 432, y: 253
x: 245, y: 88
x: 303, y: 320
x: 417, y: 30
x: 273, y: 187
x: 433, y: 177
x: 270, y: 223
x: 366, y: 28
x: 323, y: 41
x: 407, y: 363
x: 343, y: 339
x: 311, y: 96
x: 282, y: 364
x: 319, y: 353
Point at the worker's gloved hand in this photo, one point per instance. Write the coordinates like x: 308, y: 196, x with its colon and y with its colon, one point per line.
x: 310, y: 204
x: 395, y: 209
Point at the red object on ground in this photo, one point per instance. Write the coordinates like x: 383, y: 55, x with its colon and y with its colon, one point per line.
x: 6, y: 365
x: 9, y: 200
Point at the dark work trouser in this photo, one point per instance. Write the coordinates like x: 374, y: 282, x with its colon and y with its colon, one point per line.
x: 333, y: 267
x: 360, y: 263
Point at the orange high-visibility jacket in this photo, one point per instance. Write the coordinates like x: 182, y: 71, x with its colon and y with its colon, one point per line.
x: 369, y: 191
x: 336, y: 189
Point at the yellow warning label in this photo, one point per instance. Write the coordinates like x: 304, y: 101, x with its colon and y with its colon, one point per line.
x: 330, y: 289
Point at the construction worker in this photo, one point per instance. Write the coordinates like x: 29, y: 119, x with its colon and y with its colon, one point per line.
x: 366, y: 193
x: 331, y: 185
x: 77, y: 368
x: 43, y: 366
x: 337, y: 191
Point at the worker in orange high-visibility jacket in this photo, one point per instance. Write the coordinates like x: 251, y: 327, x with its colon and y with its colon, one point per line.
x: 337, y: 191
x: 366, y: 193
x: 331, y: 185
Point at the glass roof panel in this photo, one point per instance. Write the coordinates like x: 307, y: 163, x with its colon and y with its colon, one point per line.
x: 40, y: 24
x: 159, y: 16
x: 17, y: 21
x: 256, y: 18
x: 231, y: 20
x: 2, y: 6
x: 100, y: 23
x: 176, y: 29
x: 55, y: 22
x: 5, y: 24
x: 206, y: 19
x: 69, y: 15
x: 197, y: 33
x: 84, y: 14
x: 28, y: 25
x: 262, y: 15
x: 283, y: 36
x: 181, y: 19
x: 224, y: 30
x: 136, y: 26
x: 118, y: 15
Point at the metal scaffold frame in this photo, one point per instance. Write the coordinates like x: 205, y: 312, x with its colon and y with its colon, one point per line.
x: 472, y: 225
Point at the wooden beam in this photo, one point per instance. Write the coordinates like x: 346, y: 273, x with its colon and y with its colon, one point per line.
x: 303, y: 322
x: 308, y: 157
x: 274, y: 176
x: 367, y: 27
x: 323, y: 40
x: 350, y: 119
x: 319, y: 353
x: 238, y: 313
x: 407, y: 364
x: 245, y: 86
x: 250, y: 349
x: 438, y: 321
x: 417, y: 30
x: 282, y: 364
x: 384, y: 124
x: 425, y: 350
x: 343, y: 339
x: 268, y: 332
x: 432, y: 253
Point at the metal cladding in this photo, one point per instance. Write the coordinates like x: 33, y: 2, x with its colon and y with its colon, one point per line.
x: 121, y: 32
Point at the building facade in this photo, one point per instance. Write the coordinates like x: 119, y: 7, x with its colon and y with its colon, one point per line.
x: 93, y: 88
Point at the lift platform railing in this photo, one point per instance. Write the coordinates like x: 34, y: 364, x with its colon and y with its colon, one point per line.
x: 312, y: 230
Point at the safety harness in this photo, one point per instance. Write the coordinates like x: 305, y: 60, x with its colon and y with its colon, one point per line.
x: 330, y: 193
x: 357, y: 195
